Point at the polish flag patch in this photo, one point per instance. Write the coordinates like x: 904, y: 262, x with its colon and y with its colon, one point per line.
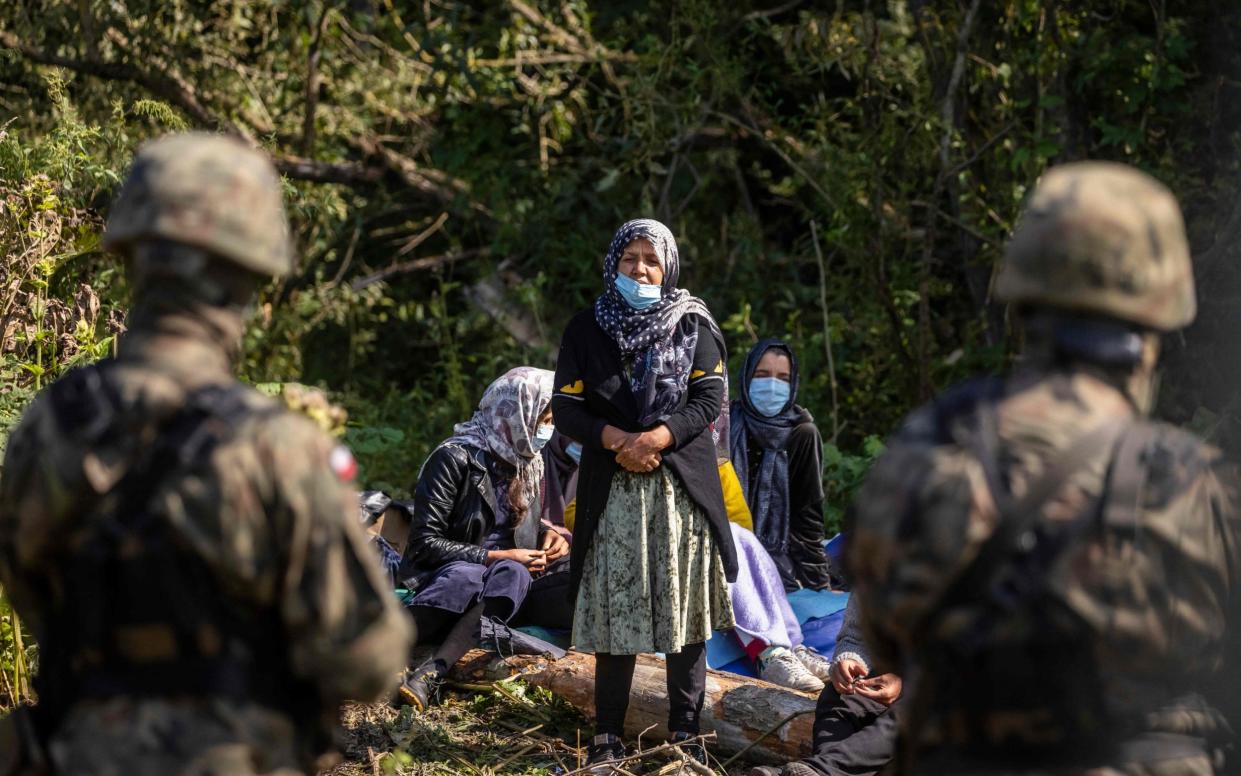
x: 343, y: 463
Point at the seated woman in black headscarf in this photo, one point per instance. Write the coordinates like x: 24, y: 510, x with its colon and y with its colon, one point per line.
x: 778, y: 455
x: 477, y: 548
x: 640, y: 383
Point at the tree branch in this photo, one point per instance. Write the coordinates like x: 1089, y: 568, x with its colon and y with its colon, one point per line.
x: 175, y: 91
x: 312, y: 82
x: 436, y: 183
x: 414, y: 265
x: 162, y: 86
x: 315, y: 171
x: 949, y: 120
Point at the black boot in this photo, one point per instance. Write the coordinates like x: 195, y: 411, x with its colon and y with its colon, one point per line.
x: 421, y: 687
x: 693, y: 750
x: 604, y: 747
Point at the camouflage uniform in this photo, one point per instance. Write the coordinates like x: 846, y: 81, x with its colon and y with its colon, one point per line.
x: 1055, y: 574
x: 208, y: 614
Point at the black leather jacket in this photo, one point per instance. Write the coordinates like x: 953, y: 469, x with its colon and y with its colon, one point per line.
x: 454, y: 511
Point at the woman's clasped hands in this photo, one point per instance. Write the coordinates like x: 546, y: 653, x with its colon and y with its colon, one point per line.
x: 638, y: 452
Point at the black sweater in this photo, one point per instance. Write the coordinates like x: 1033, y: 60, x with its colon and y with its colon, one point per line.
x: 592, y: 391
x: 810, y: 567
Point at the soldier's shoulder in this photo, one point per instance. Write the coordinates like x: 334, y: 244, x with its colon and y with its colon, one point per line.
x: 932, y: 423
x: 291, y: 441
x: 269, y: 419
x: 65, y: 396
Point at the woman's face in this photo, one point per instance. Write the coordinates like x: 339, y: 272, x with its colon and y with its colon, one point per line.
x: 774, y: 363
x: 640, y: 262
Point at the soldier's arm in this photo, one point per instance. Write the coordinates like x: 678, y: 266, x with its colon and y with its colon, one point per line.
x: 910, y: 536
x: 25, y: 512
x: 348, y: 635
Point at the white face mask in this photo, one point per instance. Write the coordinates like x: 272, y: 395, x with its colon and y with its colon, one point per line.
x: 542, y: 436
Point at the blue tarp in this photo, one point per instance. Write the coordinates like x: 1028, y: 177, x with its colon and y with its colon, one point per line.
x: 820, y: 614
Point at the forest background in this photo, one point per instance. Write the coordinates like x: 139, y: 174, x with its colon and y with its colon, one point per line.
x: 843, y: 174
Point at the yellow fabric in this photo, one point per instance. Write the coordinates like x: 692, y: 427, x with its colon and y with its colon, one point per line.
x: 734, y: 498
x: 734, y: 501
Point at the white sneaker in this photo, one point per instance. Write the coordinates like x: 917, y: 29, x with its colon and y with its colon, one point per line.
x: 783, y: 668
x: 814, y: 662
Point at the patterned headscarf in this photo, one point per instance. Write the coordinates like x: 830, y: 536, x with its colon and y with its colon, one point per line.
x: 658, y: 341
x: 505, y: 423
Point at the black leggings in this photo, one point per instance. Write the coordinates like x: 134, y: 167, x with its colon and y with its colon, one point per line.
x: 687, y: 685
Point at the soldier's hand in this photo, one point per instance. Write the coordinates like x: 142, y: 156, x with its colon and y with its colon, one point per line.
x: 885, y: 688
x: 845, y: 672
x: 554, y: 545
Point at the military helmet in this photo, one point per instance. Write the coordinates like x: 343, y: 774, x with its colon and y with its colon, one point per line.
x: 210, y: 191
x: 1105, y: 239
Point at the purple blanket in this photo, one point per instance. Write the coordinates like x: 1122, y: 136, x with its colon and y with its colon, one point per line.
x: 760, y: 606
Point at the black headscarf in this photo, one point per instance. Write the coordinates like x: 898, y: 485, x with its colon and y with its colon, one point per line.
x: 768, y: 494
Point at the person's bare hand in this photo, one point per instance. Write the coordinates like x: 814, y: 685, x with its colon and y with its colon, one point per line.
x: 534, y: 560
x: 885, y: 688
x: 845, y: 672
x: 650, y: 442
x: 614, y: 439
x: 640, y: 464
x: 554, y: 545
x: 642, y: 451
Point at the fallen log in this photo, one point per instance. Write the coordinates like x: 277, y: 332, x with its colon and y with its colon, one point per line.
x: 768, y: 722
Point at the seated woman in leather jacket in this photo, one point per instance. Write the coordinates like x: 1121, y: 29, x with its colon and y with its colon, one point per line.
x: 477, y: 547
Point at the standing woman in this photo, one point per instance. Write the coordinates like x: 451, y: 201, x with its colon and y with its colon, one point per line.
x: 640, y: 383
x: 476, y: 545
x: 778, y: 455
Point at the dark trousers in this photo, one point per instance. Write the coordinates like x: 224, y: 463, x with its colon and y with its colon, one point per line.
x: 505, y: 588
x: 853, y: 736
x: 686, y: 673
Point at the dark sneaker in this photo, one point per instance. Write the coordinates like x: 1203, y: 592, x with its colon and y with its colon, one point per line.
x: 421, y: 687
x: 603, y: 748
x: 693, y: 750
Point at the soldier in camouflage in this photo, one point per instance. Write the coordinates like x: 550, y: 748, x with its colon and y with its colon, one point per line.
x: 1055, y: 574
x: 185, y: 550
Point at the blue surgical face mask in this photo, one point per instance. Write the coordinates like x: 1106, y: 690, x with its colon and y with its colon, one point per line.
x: 637, y: 295
x: 542, y: 436
x: 769, y: 395
x: 574, y: 451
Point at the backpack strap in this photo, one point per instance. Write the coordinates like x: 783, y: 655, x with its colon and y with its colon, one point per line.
x: 1018, y: 517
x: 1127, y: 479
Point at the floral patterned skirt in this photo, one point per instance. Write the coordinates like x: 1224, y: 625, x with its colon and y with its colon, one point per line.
x: 651, y: 580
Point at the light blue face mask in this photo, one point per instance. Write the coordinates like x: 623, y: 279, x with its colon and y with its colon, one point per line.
x: 574, y: 451
x: 637, y: 295
x: 769, y: 395
x: 542, y: 436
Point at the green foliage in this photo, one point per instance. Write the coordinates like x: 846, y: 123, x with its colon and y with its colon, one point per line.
x: 843, y: 474
x: 18, y: 656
